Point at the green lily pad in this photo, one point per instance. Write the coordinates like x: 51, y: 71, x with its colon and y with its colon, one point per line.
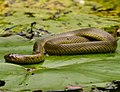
x: 12, y: 75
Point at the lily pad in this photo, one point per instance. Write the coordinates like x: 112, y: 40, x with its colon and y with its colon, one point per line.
x: 12, y: 75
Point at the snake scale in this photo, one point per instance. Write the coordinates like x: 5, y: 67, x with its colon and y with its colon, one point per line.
x: 82, y: 41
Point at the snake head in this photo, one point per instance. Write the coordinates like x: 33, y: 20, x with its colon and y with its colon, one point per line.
x: 10, y: 57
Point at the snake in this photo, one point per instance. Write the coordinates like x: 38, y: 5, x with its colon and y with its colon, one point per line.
x: 76, y: 42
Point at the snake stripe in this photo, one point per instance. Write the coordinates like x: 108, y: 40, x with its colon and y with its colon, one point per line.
x: 82, y: 41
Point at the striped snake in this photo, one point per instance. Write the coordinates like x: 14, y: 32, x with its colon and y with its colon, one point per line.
x: 82, y: 41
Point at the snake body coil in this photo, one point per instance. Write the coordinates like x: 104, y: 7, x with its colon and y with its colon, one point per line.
x: 82, y: 41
